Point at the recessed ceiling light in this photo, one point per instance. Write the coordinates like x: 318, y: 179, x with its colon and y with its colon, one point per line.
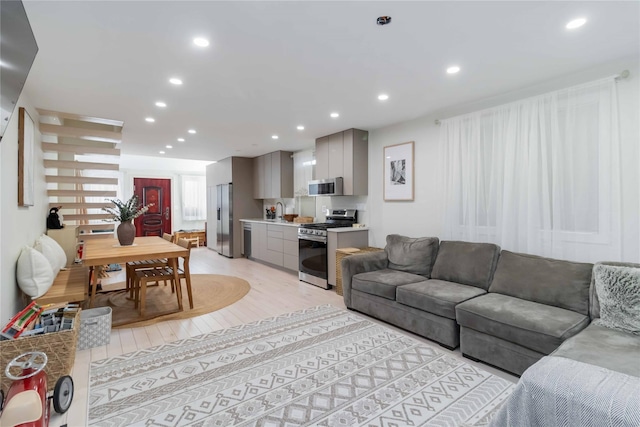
x: 383, y: 97
x: 334, y: 115
x: 576, y: 23
x: 175, y: 81
x: 169, y: 146
x: 300, y: 127
x: 274, y: 136
x: 150, y: 119
x: 201, y: 42
x: 161, y: 104
x: 453, y: 69
x: 161, y: 152
x: 191, y: 131
x: 180, y: 139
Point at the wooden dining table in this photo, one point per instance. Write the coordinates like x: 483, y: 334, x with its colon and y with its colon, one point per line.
x: 101, y: 252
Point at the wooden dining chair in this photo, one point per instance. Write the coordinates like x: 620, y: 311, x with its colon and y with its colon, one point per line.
x: 134, y: 266
x: 184, y: 273
x: 153, y: 275
x: 143, y: 277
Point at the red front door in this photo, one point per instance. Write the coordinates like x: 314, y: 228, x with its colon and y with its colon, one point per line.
x: 157, y: 219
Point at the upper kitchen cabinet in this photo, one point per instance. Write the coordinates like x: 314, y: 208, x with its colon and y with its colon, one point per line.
x: 273, y: 175
x: 345, y: 154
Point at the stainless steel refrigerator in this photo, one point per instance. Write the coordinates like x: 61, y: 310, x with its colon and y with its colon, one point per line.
x: 224, y: 223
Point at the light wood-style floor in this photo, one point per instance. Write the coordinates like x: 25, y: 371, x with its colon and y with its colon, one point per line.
x: 273, y: 292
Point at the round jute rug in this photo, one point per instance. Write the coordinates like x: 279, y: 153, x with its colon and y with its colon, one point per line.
x: 211, y: 292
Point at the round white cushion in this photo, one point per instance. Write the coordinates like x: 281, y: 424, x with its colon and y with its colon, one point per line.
x: 34, y: 273
x: 53, y: 252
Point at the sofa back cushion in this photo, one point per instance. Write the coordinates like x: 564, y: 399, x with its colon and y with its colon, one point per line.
x: 413, y: 255
x: 548, y: 281
x: 467, y: 263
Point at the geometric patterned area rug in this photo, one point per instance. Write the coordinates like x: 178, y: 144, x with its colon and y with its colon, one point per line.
x: 322, y: 366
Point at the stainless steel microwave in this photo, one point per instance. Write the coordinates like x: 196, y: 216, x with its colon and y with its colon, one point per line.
x: 326, y: 187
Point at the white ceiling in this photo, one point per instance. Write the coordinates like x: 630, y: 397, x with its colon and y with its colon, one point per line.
x: 274, y: 65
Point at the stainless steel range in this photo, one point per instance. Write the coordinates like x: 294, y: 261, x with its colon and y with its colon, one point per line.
x: 312, y: 246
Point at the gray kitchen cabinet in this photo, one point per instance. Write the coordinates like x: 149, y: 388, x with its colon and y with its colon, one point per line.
x: 336, y: 155
x: 277, y: 244
x: 258, y: 177
x: 258, y: 241
x: 345, y: 154
x: 273, y: 175
x: 290, y: 248
x: 322, y: 158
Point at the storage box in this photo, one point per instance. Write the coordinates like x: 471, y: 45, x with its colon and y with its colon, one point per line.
x: 60, y: 348
x: 95, y: 327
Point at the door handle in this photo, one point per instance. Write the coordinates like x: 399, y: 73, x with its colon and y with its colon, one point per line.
x: 166, y: 213
x: 218, y: 214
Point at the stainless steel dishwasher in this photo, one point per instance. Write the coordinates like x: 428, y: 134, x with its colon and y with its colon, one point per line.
x: 247, y: 239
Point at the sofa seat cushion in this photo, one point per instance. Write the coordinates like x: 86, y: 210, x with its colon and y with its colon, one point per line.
x: 604, y: 347
x: 530, y: 324
x: 383, y: 283
x: 436, y: 296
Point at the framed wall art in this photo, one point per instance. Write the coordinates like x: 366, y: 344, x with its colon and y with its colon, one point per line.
x: 398, y: 172
x: 26, y: 136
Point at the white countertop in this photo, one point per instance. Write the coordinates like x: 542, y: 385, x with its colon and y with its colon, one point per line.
x: 295, y: 224
x: 270, y: 221
x: 346, y: 229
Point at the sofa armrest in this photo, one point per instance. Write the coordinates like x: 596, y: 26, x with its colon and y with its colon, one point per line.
x: 361, y: 263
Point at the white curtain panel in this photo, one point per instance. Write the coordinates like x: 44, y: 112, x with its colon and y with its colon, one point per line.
x: 539, y: 176
x: 194, y: 198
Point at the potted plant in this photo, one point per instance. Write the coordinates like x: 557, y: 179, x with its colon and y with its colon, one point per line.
x: 126, y: 212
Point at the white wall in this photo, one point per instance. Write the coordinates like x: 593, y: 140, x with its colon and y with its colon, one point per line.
x: 424, y: 215
x: 19, y: 226
x: 161, y: 167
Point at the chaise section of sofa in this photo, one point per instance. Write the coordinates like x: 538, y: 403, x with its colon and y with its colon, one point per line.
x: 601, y: 346
x: 534, y: 304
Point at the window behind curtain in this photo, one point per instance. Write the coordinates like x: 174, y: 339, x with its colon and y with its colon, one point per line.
x: 194, y: 198
x: 540, y: 175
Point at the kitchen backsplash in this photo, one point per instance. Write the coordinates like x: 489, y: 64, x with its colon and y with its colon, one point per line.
x: 342, y: 202
x: 317, y: 206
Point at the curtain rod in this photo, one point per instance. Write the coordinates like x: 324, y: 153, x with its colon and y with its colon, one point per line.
x: 623, y: 75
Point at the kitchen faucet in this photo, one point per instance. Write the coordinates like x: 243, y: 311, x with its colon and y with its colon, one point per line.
x: 281, y: 210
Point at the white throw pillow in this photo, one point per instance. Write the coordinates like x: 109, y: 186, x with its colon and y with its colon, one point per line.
x: 618, y: 290
x: 53, y: 252
x: 34, y: 272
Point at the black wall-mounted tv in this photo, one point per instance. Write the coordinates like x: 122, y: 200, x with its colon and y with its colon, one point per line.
x: 18, y: 49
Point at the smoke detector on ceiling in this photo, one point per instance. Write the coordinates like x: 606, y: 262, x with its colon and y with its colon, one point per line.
x: 383, y: 20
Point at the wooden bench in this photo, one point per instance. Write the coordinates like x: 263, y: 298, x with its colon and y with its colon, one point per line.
x: 70, y: 285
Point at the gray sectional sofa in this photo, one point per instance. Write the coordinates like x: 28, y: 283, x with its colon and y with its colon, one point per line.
x: 503, y: 308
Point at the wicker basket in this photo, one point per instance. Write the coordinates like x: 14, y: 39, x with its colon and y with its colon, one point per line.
x: 60, y: 348
x: 344, y: 252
